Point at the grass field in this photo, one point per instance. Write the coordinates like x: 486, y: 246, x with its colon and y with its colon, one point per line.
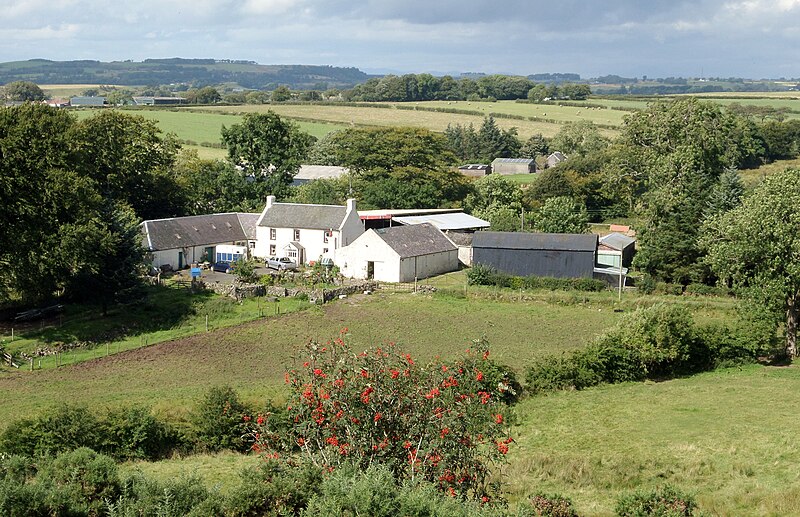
x: 205, y: 127
x: 370, y: 116
x: 59, y: 91
x: 726, y: 436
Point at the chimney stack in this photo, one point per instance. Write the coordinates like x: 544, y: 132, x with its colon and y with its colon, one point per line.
x: 270, y: 201
x: 351, y: 205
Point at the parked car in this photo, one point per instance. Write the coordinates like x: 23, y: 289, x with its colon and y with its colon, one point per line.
x: 222, y: 267
x: 281, y: 263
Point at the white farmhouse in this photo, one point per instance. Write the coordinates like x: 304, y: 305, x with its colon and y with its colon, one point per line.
x: 304, y: 232
x: 181, y: 241
x: 399, y: 254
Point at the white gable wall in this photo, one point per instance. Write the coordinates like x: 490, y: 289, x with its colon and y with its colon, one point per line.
x: 353, y: 261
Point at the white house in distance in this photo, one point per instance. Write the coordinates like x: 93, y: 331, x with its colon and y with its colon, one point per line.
x: 305, y: 232
x: 398, y: 254
x: 180, y: 241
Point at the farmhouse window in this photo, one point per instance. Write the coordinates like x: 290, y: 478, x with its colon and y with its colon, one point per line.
x: 273, y: 234
x: 297, y: 235
x: 328, y: 234
x: 272, y: 250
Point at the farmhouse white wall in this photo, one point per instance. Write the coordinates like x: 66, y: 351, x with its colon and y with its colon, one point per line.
x: 353, y: 261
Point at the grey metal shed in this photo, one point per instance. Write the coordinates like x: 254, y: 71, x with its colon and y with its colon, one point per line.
x: 559, y: 255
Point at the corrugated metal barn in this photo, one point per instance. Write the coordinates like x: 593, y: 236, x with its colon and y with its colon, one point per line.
x: 559, y: 255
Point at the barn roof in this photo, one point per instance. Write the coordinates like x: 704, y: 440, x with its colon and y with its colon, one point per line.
x: 535, y: 241
x: 617, y: 241
x: 296, y: 215
x: 315, y: 172
x: 514, y: 160
x: 454, y: 221
x: 196, y: 230
x: 415, y: 240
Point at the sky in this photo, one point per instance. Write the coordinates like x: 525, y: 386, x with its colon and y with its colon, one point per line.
x: 632, y: 38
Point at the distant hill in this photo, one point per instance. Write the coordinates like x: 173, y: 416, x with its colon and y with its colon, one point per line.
x: 196, y: 72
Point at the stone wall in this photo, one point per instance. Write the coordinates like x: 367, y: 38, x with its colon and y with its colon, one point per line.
x: 319, y: 296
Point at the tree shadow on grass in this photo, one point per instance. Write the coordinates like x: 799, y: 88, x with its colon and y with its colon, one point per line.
x: 144, y: 310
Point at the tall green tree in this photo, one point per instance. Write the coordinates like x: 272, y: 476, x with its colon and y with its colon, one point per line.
x: 495, y: 142
x: 268, y: 149
x: 130, y: 161
x: 755, y: 247
x: 561, y: 215
x: 579, y: 138
x: 213, y: 186
x: 24, y: 91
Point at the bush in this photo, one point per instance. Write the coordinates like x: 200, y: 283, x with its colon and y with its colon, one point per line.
x: 63, y: 429
x: 653, y: 342
x: 646, y: 284
x: 274, y: 488
x: 133, y: 433
x: 547, y: 506
x: 698, y: 289
x: 669, y: 289
x: 437, y: 422
x: 375, y: 492
x: 141, y: 495
x: 83, y: 477
x: 665, y: 501
x: 480, y: 274
x: 218, y: 422
x: 126, y: 433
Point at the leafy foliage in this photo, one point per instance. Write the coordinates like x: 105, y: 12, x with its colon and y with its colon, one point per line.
x: 217, y: 420
x: 441, y: 423
x: 561, y: 215
x: 666, y: 501
x: 753, y: 247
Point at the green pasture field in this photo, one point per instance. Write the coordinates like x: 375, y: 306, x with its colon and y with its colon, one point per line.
x: 519, y: 325
x: 555, y: 112
x: 203, y: 126
x: 751, y: 95
x: 371, y: 116
x: 725, y: 436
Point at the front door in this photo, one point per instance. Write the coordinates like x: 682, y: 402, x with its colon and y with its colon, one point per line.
x: 180, y: 260
x: 208, y: 255
x: 370, y: 270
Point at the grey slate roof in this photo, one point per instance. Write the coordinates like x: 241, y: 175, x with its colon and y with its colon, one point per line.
x: 301, y: 216
x: 535, y: 241
x: 197, y: 230
x: 248, y: 222
x: 514, y: 160
x: 415, y: 240
x: 617, y: 241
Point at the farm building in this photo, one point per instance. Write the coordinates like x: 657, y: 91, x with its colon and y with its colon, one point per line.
x: 560, y: 255
x: 475, y: 170
x: 158, y: 101
x: 315, y: 172
x: 615, y: 248
x: 180, y: 241
x: 555, y: 158
x: 88, y: 101
x: 305, y: 232
x: 399, y: 254
x: 507, y: 166
x: 457, y: 226
x: 373, y: 219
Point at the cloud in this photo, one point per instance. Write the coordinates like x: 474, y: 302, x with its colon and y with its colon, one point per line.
x: 628, y: 37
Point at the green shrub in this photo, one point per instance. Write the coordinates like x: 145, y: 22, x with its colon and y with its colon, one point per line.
x: 273, y: 488
x: 375, y: 492
x: 217, y: 421
x: 666, y: 501
x: 546, y: 505
x: 83, y: 479
x: 62, y: 429
x: 653, y: 342
x: 133, y: 433
x: 140, y: 495
x: 480, y: 274
x: 646, y: 284
x: 661, y: 337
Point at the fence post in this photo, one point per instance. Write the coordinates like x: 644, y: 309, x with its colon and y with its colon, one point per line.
x: 206, y: 322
